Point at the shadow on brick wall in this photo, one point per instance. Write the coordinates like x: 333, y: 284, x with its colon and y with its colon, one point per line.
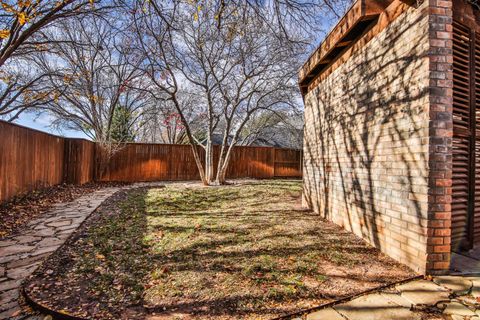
x: 366, y: 140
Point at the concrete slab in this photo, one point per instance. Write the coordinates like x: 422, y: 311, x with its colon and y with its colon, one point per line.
x: 467, y: 300
x: 475, y: 252
x: 423, y: 292
x: 462, y: 264
x: 374, y: 307
x: 476, y: 292
x: 328, y: 313
x: 459, y: 285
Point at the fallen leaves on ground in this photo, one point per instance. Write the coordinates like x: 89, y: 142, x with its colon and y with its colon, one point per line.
x: 23, y: 208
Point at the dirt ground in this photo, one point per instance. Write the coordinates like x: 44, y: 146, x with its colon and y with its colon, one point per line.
x: 242, y: 251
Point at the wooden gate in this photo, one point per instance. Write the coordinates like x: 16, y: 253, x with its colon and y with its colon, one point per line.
x: 466, y: 141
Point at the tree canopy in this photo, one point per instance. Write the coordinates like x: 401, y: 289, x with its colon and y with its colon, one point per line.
x: 171, y: 71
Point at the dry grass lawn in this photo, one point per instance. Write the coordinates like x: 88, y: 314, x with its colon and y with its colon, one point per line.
x: 244, y: 251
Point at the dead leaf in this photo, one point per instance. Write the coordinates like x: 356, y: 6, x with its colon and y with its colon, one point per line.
x: 100, y: 256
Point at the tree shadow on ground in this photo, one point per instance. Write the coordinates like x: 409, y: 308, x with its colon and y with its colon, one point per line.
x: 252, y: 252
x: 255, y: 253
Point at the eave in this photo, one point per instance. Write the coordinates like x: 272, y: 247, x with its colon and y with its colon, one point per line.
x: 348, y: 29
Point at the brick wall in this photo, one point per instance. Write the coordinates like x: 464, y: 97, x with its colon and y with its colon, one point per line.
x: 367, y: 149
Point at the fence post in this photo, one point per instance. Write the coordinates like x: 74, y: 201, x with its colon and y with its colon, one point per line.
x: 66, y: 161
x: 274, y: 158
x: 70, y: 161
x: 301, y: 161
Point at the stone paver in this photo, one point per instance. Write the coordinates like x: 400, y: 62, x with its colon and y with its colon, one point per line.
x: 374, y: 307
x: 21, y: 254
x: 15, y: 249
x: 456, y: 308
x: 323, y: 314
x: 452, y: 297
x: 460, y: 286
x: 423, y: 292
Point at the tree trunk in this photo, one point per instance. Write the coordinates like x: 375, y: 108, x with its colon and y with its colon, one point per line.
x: 223, y: 161
x: 198, y: 162
x: 209, y: 160
x: 191, y: 140
x: 224, y: 158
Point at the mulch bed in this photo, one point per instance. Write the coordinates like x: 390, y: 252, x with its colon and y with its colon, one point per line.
x: 234, y: 252
x: 21, y: 209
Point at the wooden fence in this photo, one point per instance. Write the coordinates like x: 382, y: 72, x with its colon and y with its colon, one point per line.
x: 150, y: 162
x: 30, y: 159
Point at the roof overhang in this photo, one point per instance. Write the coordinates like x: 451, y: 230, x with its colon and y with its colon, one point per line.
x: 467, y: 12
x: 348, y: 29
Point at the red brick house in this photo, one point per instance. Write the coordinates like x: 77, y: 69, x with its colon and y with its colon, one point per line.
x: 391, y: 145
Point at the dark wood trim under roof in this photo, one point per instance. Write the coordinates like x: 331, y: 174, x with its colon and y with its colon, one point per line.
x: 466, y: 14
x: 354, y: 23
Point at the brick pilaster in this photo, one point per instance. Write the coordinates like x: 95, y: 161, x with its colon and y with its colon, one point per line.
x: 441, y: 132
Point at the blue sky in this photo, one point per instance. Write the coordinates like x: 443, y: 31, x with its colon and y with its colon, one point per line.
x: 43, y: 123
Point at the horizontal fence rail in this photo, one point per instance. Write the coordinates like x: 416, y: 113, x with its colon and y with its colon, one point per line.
x: 31, y: 159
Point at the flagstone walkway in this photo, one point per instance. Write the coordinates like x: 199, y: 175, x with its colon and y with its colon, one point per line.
x: 20, y: 254
x: 448, y: 297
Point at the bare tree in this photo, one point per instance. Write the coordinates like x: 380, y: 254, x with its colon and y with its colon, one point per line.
x: 21, y: 88
x: 91, y: 73
x: 20, y: 22
x: 282, y: 128
x: 89, y: 70
x: 227, y: 56
x: 163, y: 124
x: 21, y: 35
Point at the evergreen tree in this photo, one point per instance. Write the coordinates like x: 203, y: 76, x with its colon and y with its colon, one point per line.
x: 121, y: 127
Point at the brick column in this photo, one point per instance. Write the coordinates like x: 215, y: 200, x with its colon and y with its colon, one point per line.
x: 441, y: 132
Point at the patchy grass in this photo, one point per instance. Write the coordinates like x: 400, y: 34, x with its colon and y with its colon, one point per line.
x: 189, y: 252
